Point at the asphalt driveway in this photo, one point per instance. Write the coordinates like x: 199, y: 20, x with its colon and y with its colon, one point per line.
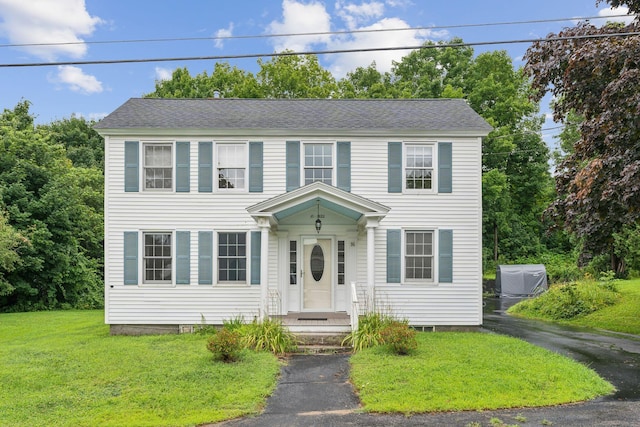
x: 314, y: 389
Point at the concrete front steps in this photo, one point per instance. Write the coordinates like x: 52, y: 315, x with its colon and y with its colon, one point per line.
x: 318, y: 332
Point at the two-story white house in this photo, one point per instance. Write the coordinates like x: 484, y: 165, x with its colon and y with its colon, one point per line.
x: 219, y: 208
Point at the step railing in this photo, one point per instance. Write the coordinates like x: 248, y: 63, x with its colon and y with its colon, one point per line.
x: 355, y: 307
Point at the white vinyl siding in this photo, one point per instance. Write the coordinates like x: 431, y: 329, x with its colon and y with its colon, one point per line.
x: 456, y: 303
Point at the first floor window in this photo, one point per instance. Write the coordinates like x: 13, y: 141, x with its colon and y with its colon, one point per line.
x: 418, y: 255
x: 232, y: 257
x: 341, y: 263
x: 419, y: 167
x: 232, y: 160
x: 158, y: 170
x: 318, y: 163
x: 157, y: 258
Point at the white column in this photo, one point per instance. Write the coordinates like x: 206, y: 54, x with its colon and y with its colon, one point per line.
x: 263, y: 223
x: 371, y: 255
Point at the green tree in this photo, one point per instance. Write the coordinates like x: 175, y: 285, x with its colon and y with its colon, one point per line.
x: 599, y: 79
x: 224, y: 82
x: 10, y: 243
x: 85, y: 147
x: 59, y: 208
x: 366, y: 82
x: 426, y: 72
x: 295, y: 76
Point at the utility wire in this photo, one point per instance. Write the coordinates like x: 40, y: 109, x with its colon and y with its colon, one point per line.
x: 317, y: 52
x: 320, y: 33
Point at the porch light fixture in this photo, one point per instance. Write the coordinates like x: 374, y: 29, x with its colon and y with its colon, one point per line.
x: 318, y: 222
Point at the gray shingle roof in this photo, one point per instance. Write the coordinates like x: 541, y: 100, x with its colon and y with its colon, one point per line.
x: 448, y: 115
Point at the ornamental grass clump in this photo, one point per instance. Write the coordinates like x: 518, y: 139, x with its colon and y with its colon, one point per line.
x: 226, y: 345
x: 268, y: 335
x: 369, y: 331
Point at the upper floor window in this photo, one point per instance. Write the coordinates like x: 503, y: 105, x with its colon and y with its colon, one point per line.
x: 158, y: 166
x: 232, y: 165
x: 419, y: 167
x: 418, y: 252
x: 318, y: 163
x: 157, y: 257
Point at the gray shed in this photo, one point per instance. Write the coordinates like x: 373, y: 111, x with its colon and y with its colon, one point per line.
x: 522, y: 280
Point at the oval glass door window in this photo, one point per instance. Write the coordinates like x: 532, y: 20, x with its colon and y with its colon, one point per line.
x: 317, y: 262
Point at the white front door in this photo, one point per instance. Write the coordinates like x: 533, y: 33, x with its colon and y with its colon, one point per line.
x: 317, y: 279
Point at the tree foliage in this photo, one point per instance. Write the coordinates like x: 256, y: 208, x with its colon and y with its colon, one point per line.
x: 598, y: 184
x: 57, y: 206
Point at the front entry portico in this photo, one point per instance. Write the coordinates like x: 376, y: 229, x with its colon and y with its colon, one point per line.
x: 310, y: 241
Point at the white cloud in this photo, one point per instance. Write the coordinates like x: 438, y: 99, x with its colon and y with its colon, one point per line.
x: 223, y: 32
x: 77, y: 80
x: 343, y: 63
x: 163, y: 73
x: 356, y: 14
x: 299, y: 17
x: 608, y: 13
x: 45, y: 21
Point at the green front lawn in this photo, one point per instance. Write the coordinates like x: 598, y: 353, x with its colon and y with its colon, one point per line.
x: 470, y: 371
x: 64, y: 369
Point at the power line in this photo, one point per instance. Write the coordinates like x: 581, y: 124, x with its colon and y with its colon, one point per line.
x: 319, y: 33
x: 317, y: 52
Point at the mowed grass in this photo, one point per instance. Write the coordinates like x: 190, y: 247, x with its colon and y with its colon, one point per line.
x: 64, y: 369
x: 470, y: 371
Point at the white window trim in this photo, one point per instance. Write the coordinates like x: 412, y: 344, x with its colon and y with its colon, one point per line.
x: 334, y: 167
x: 216, y: 266
x: 143, y: 180
x: 434, y: 273
x: 216, y: 188
x: 141, y: 257
x: 434, y: 175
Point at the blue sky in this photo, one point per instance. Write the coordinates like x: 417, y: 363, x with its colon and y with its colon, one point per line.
x: 57, y: 92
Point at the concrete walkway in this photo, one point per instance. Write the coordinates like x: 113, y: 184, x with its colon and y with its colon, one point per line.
x: 314, y: 391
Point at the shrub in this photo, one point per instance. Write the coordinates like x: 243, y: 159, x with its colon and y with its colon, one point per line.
x: 268, y: 335
x: 226, y: 345
x: 399, y: 337
x: 562, y: 302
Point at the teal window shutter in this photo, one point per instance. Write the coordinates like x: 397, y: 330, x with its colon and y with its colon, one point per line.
x: 445, y: 178
x: 130, y: 257
x: 256, y: 244
x: 183, y: 257
x: 205, y: 257
x: 131, y: 166
x: 293, y: 165
x: 344, y: 165
x: 445, y: 256
x: 255, y: 167
x: 205, y: 167
x: 183, y: 167
x: 394, y: 255
x: 395, y: 167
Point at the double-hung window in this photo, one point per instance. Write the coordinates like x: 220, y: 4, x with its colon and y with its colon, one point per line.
x: 232, y: 165
x: 418, y: 167
x: 318, y: 163
x: 158, y: 166
x: 232, y: 257
x: 418, y: 253
x: 157, y: 257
